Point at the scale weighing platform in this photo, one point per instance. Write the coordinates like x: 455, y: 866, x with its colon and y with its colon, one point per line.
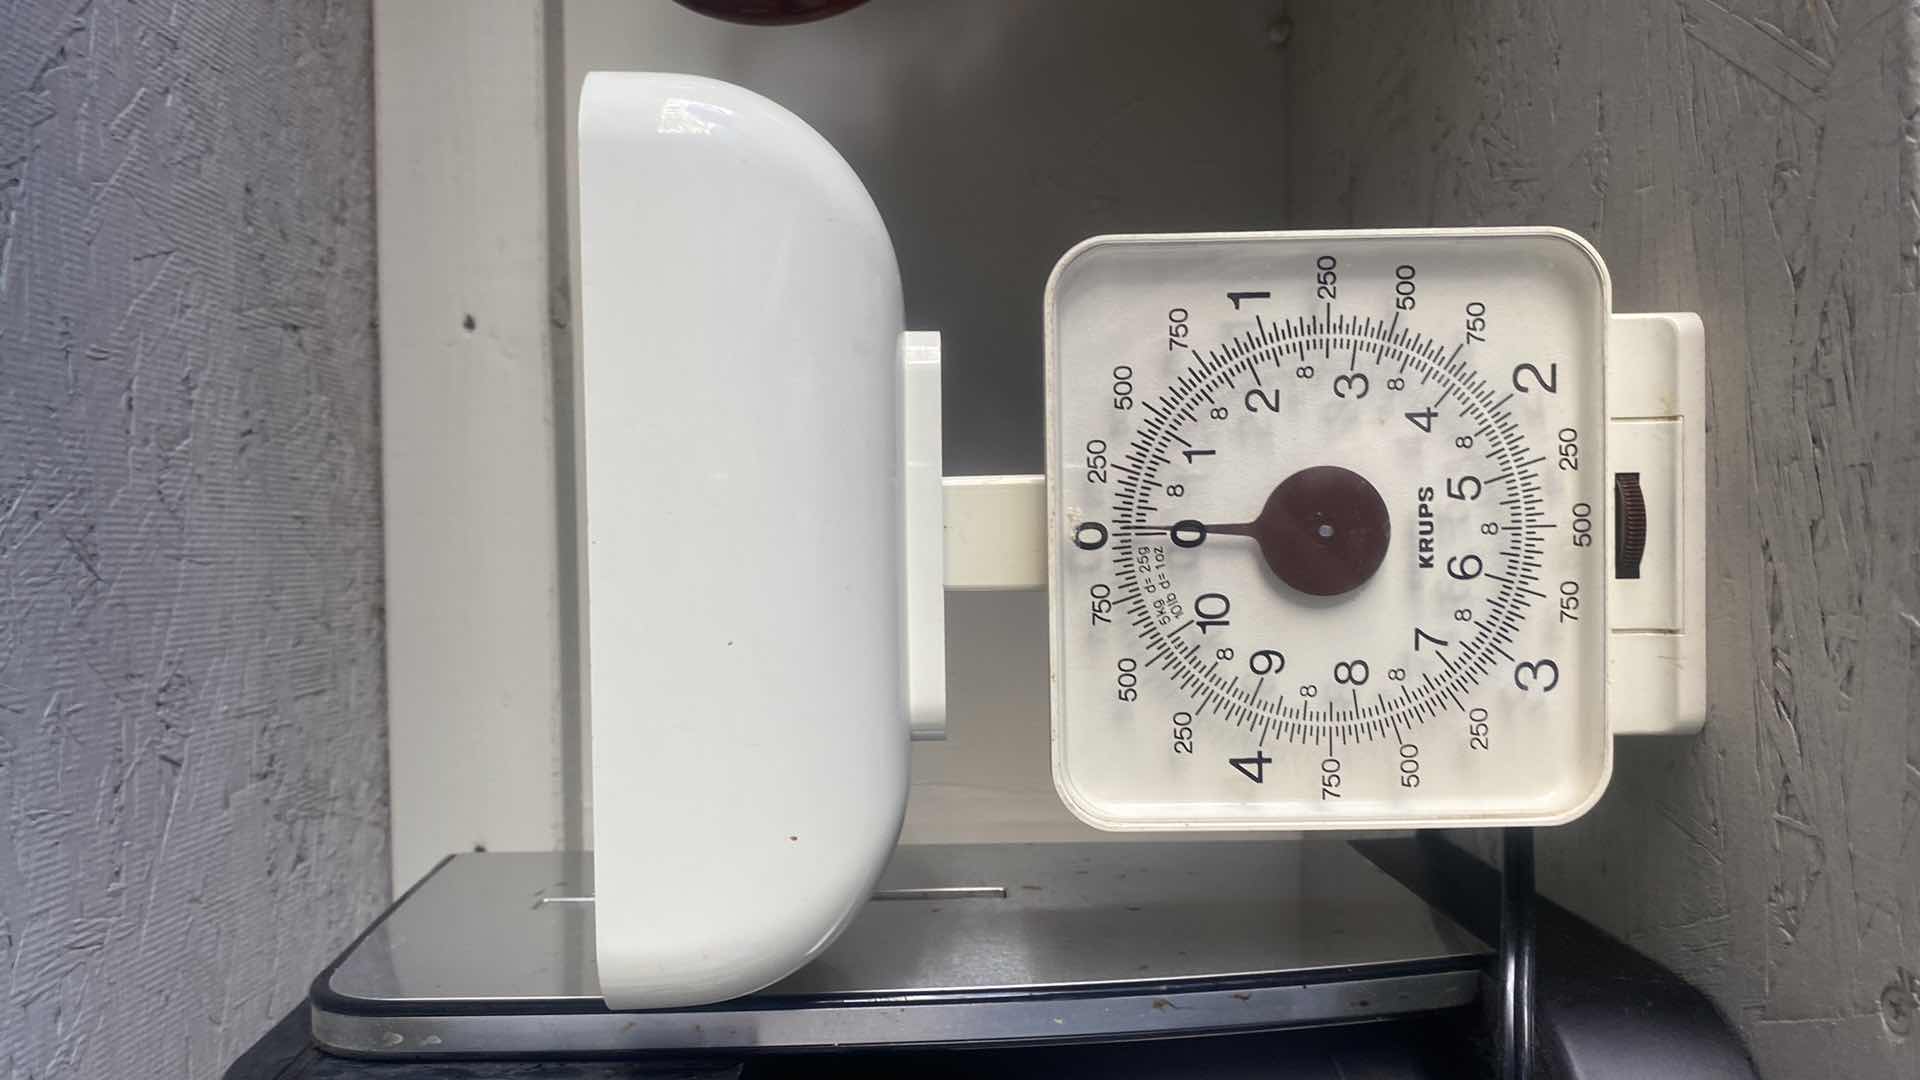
x: 1307, y: 956
x: 961, y: 944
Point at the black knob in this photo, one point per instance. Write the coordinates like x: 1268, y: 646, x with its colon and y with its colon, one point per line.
x: 1629, y: 525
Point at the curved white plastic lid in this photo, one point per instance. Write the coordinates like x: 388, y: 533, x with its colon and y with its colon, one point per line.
x: 742, y: 366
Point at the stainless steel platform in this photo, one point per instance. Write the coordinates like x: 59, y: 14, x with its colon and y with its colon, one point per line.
x: 962, y: 944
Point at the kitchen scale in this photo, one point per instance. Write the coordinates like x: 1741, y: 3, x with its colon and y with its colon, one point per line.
x: 1358, y: 530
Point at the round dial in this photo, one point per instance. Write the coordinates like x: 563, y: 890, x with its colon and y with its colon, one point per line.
x: 1326, y: 519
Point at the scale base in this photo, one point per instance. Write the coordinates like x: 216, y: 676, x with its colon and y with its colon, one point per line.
x: 492, y: 956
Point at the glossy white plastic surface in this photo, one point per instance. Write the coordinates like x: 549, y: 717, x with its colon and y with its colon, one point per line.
x: 926, y: 535
x: 743, y: 487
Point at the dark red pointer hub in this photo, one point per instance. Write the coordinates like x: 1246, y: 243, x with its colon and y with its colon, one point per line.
x: 1323, y: 531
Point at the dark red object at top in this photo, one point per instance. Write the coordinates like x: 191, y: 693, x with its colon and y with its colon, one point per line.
x: 770, y: 12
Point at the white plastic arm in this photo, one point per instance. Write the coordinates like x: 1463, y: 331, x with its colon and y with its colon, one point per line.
x: 996, y: 533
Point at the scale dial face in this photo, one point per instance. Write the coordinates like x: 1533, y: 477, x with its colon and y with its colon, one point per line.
x: 1326, y: 520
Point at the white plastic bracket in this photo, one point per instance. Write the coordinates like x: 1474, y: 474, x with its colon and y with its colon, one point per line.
x: 968, y: 533
x: 1656, y: 441
x: 924, y: 555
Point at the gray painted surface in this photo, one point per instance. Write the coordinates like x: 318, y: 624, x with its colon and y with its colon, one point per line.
x: 192, y: 767
x: 1756, y: 163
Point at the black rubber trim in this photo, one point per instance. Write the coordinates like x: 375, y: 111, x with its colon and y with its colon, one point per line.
x: 1516, y: 1017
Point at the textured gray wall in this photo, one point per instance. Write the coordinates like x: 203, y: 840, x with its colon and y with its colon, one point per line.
x: 192, y: 753
x: 1755, y: 161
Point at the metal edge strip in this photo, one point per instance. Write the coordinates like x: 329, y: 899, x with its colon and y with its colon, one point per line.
x: 915, y: 1024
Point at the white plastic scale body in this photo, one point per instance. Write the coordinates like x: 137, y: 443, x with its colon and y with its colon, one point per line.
x: 1355, y: 529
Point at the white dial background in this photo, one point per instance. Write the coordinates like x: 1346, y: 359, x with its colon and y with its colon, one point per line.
x: 1460, y: 374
